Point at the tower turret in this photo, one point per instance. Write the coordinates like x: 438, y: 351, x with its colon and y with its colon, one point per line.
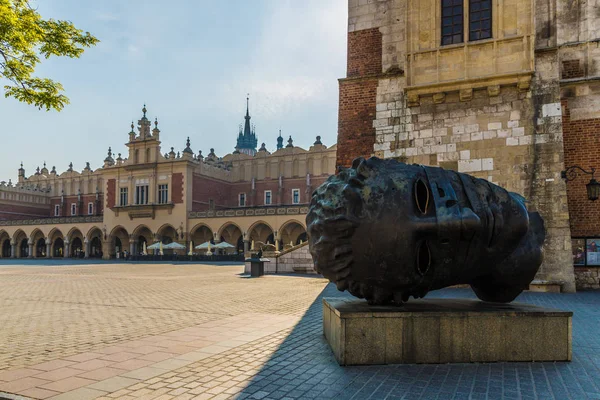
x: 280, y: 141
x: 247, y: 141
x: 21, y: 173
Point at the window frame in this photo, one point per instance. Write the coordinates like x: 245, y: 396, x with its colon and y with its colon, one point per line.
x: 480, y: 20
x: 466, y: 36
x: 293, y: 200
x: 163, y: 191
x: 141, y: 190
x: 123, y: 191
x: 240, y: 197
x: 90, y: 208
x: 57, y: 210
x: 464, y: 11
x: 73, y: 209
x: 270, y: 192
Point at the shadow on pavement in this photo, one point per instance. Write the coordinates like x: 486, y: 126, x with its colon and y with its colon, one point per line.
x: 303, y: 366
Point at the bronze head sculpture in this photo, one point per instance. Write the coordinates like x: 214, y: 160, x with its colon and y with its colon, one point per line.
x: 385, y: 231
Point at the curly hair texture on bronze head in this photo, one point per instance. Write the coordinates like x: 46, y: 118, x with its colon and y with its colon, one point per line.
x: 385, y: 231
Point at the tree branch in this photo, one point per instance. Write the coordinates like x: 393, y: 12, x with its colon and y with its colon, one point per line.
x: 18, y: 80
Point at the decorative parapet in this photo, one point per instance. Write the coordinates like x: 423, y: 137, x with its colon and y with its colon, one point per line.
x: 53, y: 220
x: 250, y: 212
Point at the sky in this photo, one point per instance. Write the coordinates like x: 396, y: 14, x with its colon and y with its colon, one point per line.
x: 193, y: 63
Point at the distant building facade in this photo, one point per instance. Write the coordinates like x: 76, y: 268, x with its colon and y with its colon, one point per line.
x: 145, y: 196
x: 503, y: 90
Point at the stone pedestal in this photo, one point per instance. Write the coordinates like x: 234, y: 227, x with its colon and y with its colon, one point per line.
x: 444, y: 331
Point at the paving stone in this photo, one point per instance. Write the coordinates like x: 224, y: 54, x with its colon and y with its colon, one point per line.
x: 274, y: 351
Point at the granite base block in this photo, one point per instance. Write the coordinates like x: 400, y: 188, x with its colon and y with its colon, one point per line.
x: 432, y: 331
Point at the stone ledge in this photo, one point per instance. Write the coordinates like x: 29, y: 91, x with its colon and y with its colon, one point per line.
x: 445, y: 331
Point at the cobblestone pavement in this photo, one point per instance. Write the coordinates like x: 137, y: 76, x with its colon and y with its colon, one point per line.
x: 204, y: 332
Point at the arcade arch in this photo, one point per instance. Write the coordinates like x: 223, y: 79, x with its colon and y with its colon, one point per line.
x: 75, y: 247
x: 200, y: 234
x: 5, y: 244
x: 167, y: 234
x: 39, y: 243
x: 292, y: 232
x: 142, y: 234
x: 94, y: 242
x: 119, y: 241
x: 57, y: 247
x: 22, y: 246
x: 261, y: 233
x: 232, y: 234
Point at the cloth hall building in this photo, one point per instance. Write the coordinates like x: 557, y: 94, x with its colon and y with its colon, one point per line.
x: 145, y: 196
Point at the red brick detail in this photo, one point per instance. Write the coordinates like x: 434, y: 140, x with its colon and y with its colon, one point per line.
x: 356, y: 134
x: 177, y: 184
x: 358, y: 98
x: 582, y: 146
x: 205, y: 189
x: 225, y: 194
x: 111, y: 191
x: 572, y: 69
x: 364, y: 53
x: 16, y: 211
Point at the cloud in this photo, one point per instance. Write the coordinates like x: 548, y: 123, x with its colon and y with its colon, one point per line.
x: 299, y: 54
x: 105, y: 16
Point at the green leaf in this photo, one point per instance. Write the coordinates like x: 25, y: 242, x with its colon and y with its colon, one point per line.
x: 24, y: 37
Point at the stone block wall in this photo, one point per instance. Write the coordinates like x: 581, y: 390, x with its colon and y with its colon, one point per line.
x: 294, y: 260
x: 587, y: 277
x: 510, y: 136
x: 297, y: 259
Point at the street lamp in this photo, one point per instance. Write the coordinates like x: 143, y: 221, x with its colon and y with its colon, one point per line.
x: 593, y: 187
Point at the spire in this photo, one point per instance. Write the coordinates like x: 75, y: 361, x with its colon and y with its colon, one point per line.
x: 144, y: 126
x: 247, y: 141
x: 187, y: 148
x: 247, y: 129
x: 280, y: 141
x: 109, y: 159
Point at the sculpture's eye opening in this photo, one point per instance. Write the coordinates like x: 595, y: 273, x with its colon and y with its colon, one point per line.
x: 421, y: 196
x: 423, y: 258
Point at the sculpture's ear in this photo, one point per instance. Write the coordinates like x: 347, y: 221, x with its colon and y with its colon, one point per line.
x: 536, y: 225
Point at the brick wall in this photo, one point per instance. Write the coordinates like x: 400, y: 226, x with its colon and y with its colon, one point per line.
x: 364, y: 53
x: 16, y: 211
x: 358, y: 96
x: 205, y: 189
x: 582, y: 147
x: 225, y: 194
x: 356, y: 134
x: 177, y: 195
x: 111, y: 185
x: 571, y: 69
